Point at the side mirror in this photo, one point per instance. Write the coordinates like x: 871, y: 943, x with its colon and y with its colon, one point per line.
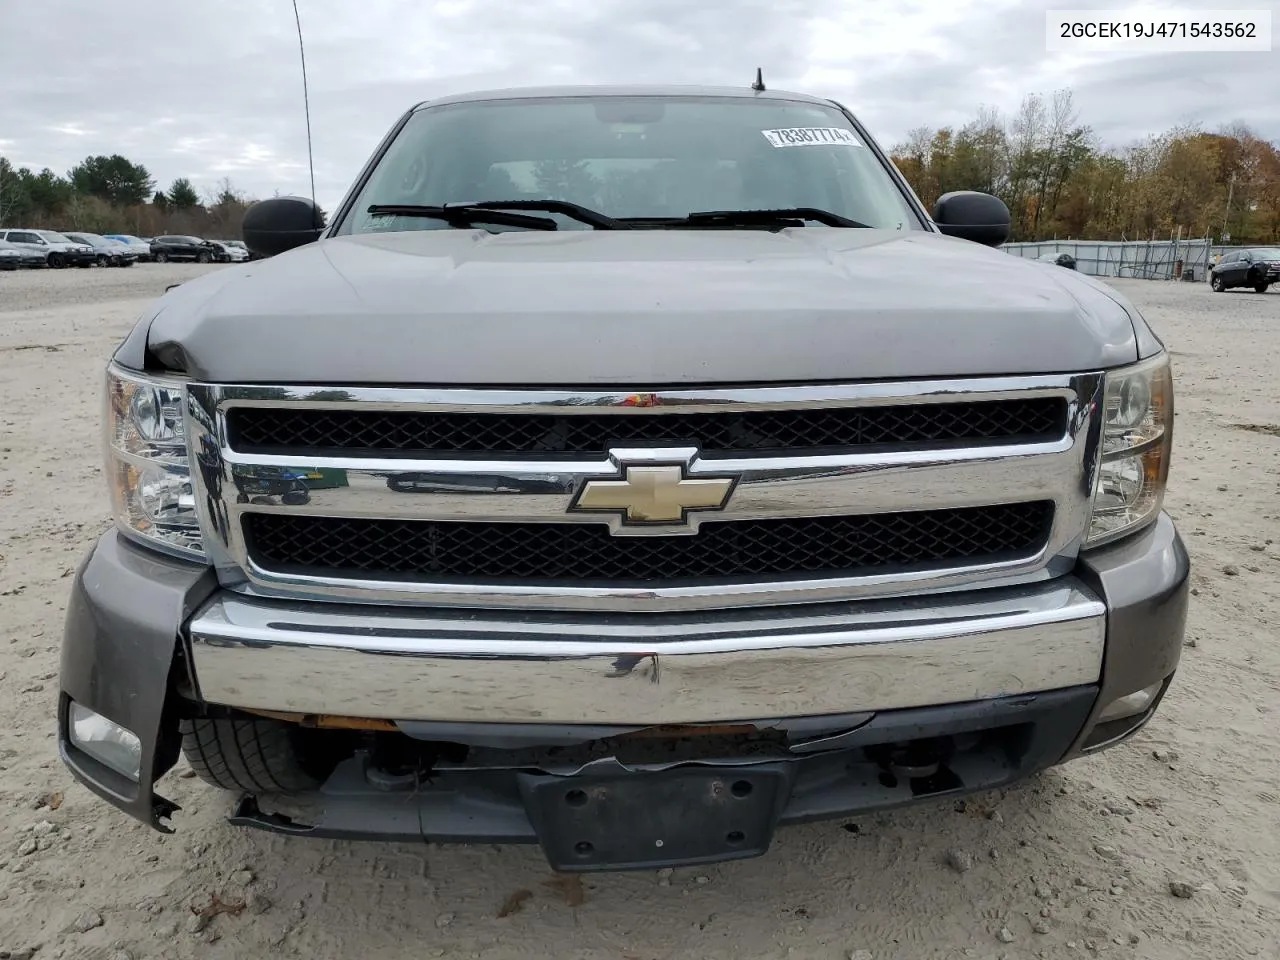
x: 281, y: 223
x: 970, y: 215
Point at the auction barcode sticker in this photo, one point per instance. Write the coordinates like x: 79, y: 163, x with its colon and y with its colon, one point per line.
x: 812, y: 137
x: 1154, y: 30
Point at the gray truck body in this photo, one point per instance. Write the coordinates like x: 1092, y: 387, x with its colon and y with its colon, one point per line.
x: 652, y: 688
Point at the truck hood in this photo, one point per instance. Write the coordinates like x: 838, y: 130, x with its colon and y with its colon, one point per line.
x: 634, y: 308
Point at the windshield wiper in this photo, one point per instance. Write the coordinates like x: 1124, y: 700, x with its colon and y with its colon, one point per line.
x: 462, y: 216
x: 786, y: 217
x: 488, y: 211
x: 573, y: 211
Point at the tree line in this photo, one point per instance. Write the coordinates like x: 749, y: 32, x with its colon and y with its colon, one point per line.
x: 1060, y: 182
x: 112, y: 194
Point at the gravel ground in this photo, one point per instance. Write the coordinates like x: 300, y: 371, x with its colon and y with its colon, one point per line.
x: 1165, y: 848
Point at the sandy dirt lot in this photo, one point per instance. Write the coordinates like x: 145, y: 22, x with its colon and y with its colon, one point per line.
x: 1076, y: 863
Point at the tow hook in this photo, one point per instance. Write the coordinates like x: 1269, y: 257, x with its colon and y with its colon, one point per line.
x: 921, y: 764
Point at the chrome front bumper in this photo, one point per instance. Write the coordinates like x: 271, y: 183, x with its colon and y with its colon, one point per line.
x: 401, y: 664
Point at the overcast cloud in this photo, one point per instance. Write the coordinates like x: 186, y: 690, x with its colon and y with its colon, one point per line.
x: 207, y: 90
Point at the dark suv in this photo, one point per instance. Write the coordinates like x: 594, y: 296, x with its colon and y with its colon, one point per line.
x: 164, y: 249
x: 1256, y: 267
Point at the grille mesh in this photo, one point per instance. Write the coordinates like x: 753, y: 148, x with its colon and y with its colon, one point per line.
x: 721, y: 551
x: 267, y: 430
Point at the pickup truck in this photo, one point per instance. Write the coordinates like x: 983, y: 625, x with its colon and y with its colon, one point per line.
x: 660, y: 471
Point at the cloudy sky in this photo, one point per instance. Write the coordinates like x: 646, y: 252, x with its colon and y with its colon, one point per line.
x: 212, y: 89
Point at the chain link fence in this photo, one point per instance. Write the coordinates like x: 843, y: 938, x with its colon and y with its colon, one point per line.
x: 1144, y: 260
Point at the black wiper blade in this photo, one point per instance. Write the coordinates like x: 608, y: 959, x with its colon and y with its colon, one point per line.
x: 462, y: 216
x: 573, y: 211
x: 747, y: 218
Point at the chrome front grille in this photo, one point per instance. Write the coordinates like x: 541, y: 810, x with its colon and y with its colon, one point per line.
x: 725, y: 552
x: 466, y: 497
x: 803, y: 430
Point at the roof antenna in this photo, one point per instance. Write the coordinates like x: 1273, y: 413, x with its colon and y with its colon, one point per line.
x: 306, y: 101
x: 758, y: 86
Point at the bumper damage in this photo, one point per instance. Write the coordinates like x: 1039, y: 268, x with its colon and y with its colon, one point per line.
x: 865, y: 706
x: 121, y: 658
x: 643, y: 806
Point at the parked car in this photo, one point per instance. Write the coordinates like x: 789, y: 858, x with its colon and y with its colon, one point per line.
x: 110, y: 253
x: 10, y: 256
x: 59, y: 251
x: 13, y: 256
x: 662, y: 651
x: 166, y: 248
x: 1061, y: 259
x: 233, y: 254
x: 1256, y: 267
x: 141, y: 249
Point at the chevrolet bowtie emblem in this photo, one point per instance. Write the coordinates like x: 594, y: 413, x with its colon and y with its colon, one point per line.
x: 652, y: 494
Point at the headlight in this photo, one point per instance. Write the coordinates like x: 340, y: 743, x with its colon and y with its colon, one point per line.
x: 1137, y: 430
x: 147, y: 469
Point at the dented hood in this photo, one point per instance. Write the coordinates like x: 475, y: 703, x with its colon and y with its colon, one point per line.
x: 644, y: 307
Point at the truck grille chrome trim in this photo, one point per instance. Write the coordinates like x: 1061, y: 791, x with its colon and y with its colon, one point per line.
x: 629, y: 669
x: 466, y: 486
x: 566, y: 433
x: 725, y: 552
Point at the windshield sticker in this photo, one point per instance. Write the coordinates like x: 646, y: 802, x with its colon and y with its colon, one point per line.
x: 811, y: 137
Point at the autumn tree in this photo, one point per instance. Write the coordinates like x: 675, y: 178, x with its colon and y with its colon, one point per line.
x: 1057, y: 181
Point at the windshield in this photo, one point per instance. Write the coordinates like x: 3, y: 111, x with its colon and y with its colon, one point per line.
x: 633, y: 157
x: 1267, y: 253
x: 54, y: 237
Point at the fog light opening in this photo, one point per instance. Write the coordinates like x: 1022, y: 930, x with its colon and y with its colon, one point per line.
x: 105, y: 740
x: 1123, y: 717
x: 1130, y: 704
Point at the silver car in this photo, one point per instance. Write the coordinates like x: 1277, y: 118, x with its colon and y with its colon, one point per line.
x: 59, y: 250
x: 107, y: 252
x: 11, y: 257
x: 141, y: 249
x: 236, y: 253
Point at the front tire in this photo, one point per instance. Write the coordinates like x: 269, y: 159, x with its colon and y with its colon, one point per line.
x: 253, y: 756
x: 57, y: 261
x: 103, y: 261
x: 202, y: 257
x: 1260, y: 287
x: 1217, y: 284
